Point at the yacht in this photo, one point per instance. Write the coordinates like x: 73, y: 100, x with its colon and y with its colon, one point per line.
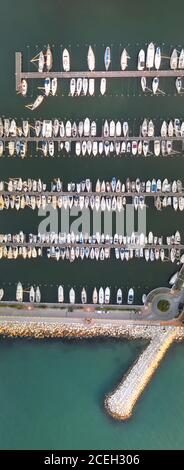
x: 157, y: 58
x: 155, y: 84
x: 72, y: 296
x: 107, y: 295
x: 19, y: 292
x: 174, y: 60
x: 95, y: 296
x: 107, y: 57
x: 141, y: 60
x: 101, y: 296
x: 47, y: 86
x: 84, y: 296
x: 54, y: 86
x: 72, y: 86
x: 178, y: 84
x: 119, y: 297
x: 23, y: 87
x: 103, y: 86
x: 91, y: 59
x: 38, y: 295
x: 124, y: 59
x: 48, y: 58
x: 150, y: 55
x: 130, y: 297
x: 66, y: 60
x: 32, y: 294
x: 41, y: 62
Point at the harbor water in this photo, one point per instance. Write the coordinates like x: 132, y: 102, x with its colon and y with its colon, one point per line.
x: 52, y: 392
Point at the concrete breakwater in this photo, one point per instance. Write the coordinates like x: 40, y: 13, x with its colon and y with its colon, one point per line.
x: 121, y: 402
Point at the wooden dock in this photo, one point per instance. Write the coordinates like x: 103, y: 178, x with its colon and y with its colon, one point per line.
x: 112, y: 246
x: 20, y: 74
x: 91, y: 193
x: 89, y: 138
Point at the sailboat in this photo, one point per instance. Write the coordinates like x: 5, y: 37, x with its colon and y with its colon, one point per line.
x: 107, y: 295
x: 47, y: 85
x: 141, y: 60
x: 155, y: 84
x: 72, y: 296
x: 103, y: 86
x: 38, y: 295
x: 36, y: 103
x: 157, y: 58
x: 124, y: 59
x: 48, y: 58
x: 23, y: 87
x: 1, y: 294
x: 178, y: 84
x: 107, y: 57
x: 143, y: 83
x: 150, y: 55
x: 181, y: 60
x: 174, y: 60
x: 101, y: 296
x: 84, y: 296
x: 95, y: 296
x: 32, y: 294
x: 72, y: 86
x: 54, y: 86
x: 19, y: 292
x: 60, y: 294
x: 91, y: 59
x: 41, y: 62
x: 66, y: 60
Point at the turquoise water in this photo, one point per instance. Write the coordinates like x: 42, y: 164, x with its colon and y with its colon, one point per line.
x: 52, y: 392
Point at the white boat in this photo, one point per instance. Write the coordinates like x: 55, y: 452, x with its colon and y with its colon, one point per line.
x: 170, y: 129
x: 101, y: 296
x: 19, y: 292
x: 79, y: 86
x: 91, y: 86
x: 72, y: 296
x: 112, y: 128
x: 91, y: 59
x: 68, y: 129
x: 66, y: 60
x: 84, y: 296
x: 144, y: 297
x: 178, y: 84
x: 41, y: 62
x: 84, y: 86
x: 51, y: 148
x: 181, y: 60
x: 155, y: 84
x: 124, y: 59
x: 38, y: 295
x: 174, y: 60
x: 47, y: 86
x: 107, y: 58
x: 125, y: 128
x: 103, y: 86
x: 32, y: 294
x: 163, y: 130
x: 157, y: 147
x: 1, y: 294
x: 72, y: 86
x: 150, y: 128
x: 107, y: 295
x: 86, y: 127
x: 157, y: 58
x: 143, y: 83
x: 141, y: 60
x: 173, y: 278
x: 36, y: 103
x: 60, y: 294
x: 130, y: 297
x: 54, y: 86
x: 106, y: 129
x: 95, y: 296
x: 23, y: 87
x: 134, y: 147
x: 119, y: 297
x: 144, y: 128
x: 25, y: 127
x: 150, y: 55
x: 48, y: 58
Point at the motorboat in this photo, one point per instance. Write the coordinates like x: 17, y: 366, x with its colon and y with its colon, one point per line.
x: 23, y: 87
x: 56, y: 127
x: 95, y: 296
x: 101, y: 296
x: 181, y: 60
x: 84, y: 296
x: 150, y: 55
x: 79, y: 86
x: 103, y: 86
x: 25, y: 127
x: 107, y: 57
x: 155, y: 84
x: 54, y: 86
x: 41, y: 62
x: 48, y: 58
x: 150, y: 128
x: 68, y: 129
x: 124, y: 59
x: 144, y: 128
x: 107, y: 295
x: 32, y: 294
x: 85, y: 86
x: 91, y: 59
x: 72, y: 86
x: 143, y: 84
x: 19, y: 292
x: 157, y: 58
x: 66, y: 60
x: 178, y: 84
x: 119, y: 297
x: 86, y: 127
x: 174, y: 60
x: 130, y: 297
x: 163, y: 130
x: 125, y: 128
x: 157, y: 147
x: 38, y: 295
x: 91, y: 86
x: 134, y: 147
x: 118, y: 129
x: 170, y: 129
x: 106, y: 129
x: 47, y: 86
x: 141, y: 60
x: 51, y: 148
x: 112, y: 129
x: 72, y: 296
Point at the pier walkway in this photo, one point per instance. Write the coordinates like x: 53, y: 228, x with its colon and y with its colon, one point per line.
x: 121, y: 402
x: 92, y: 193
